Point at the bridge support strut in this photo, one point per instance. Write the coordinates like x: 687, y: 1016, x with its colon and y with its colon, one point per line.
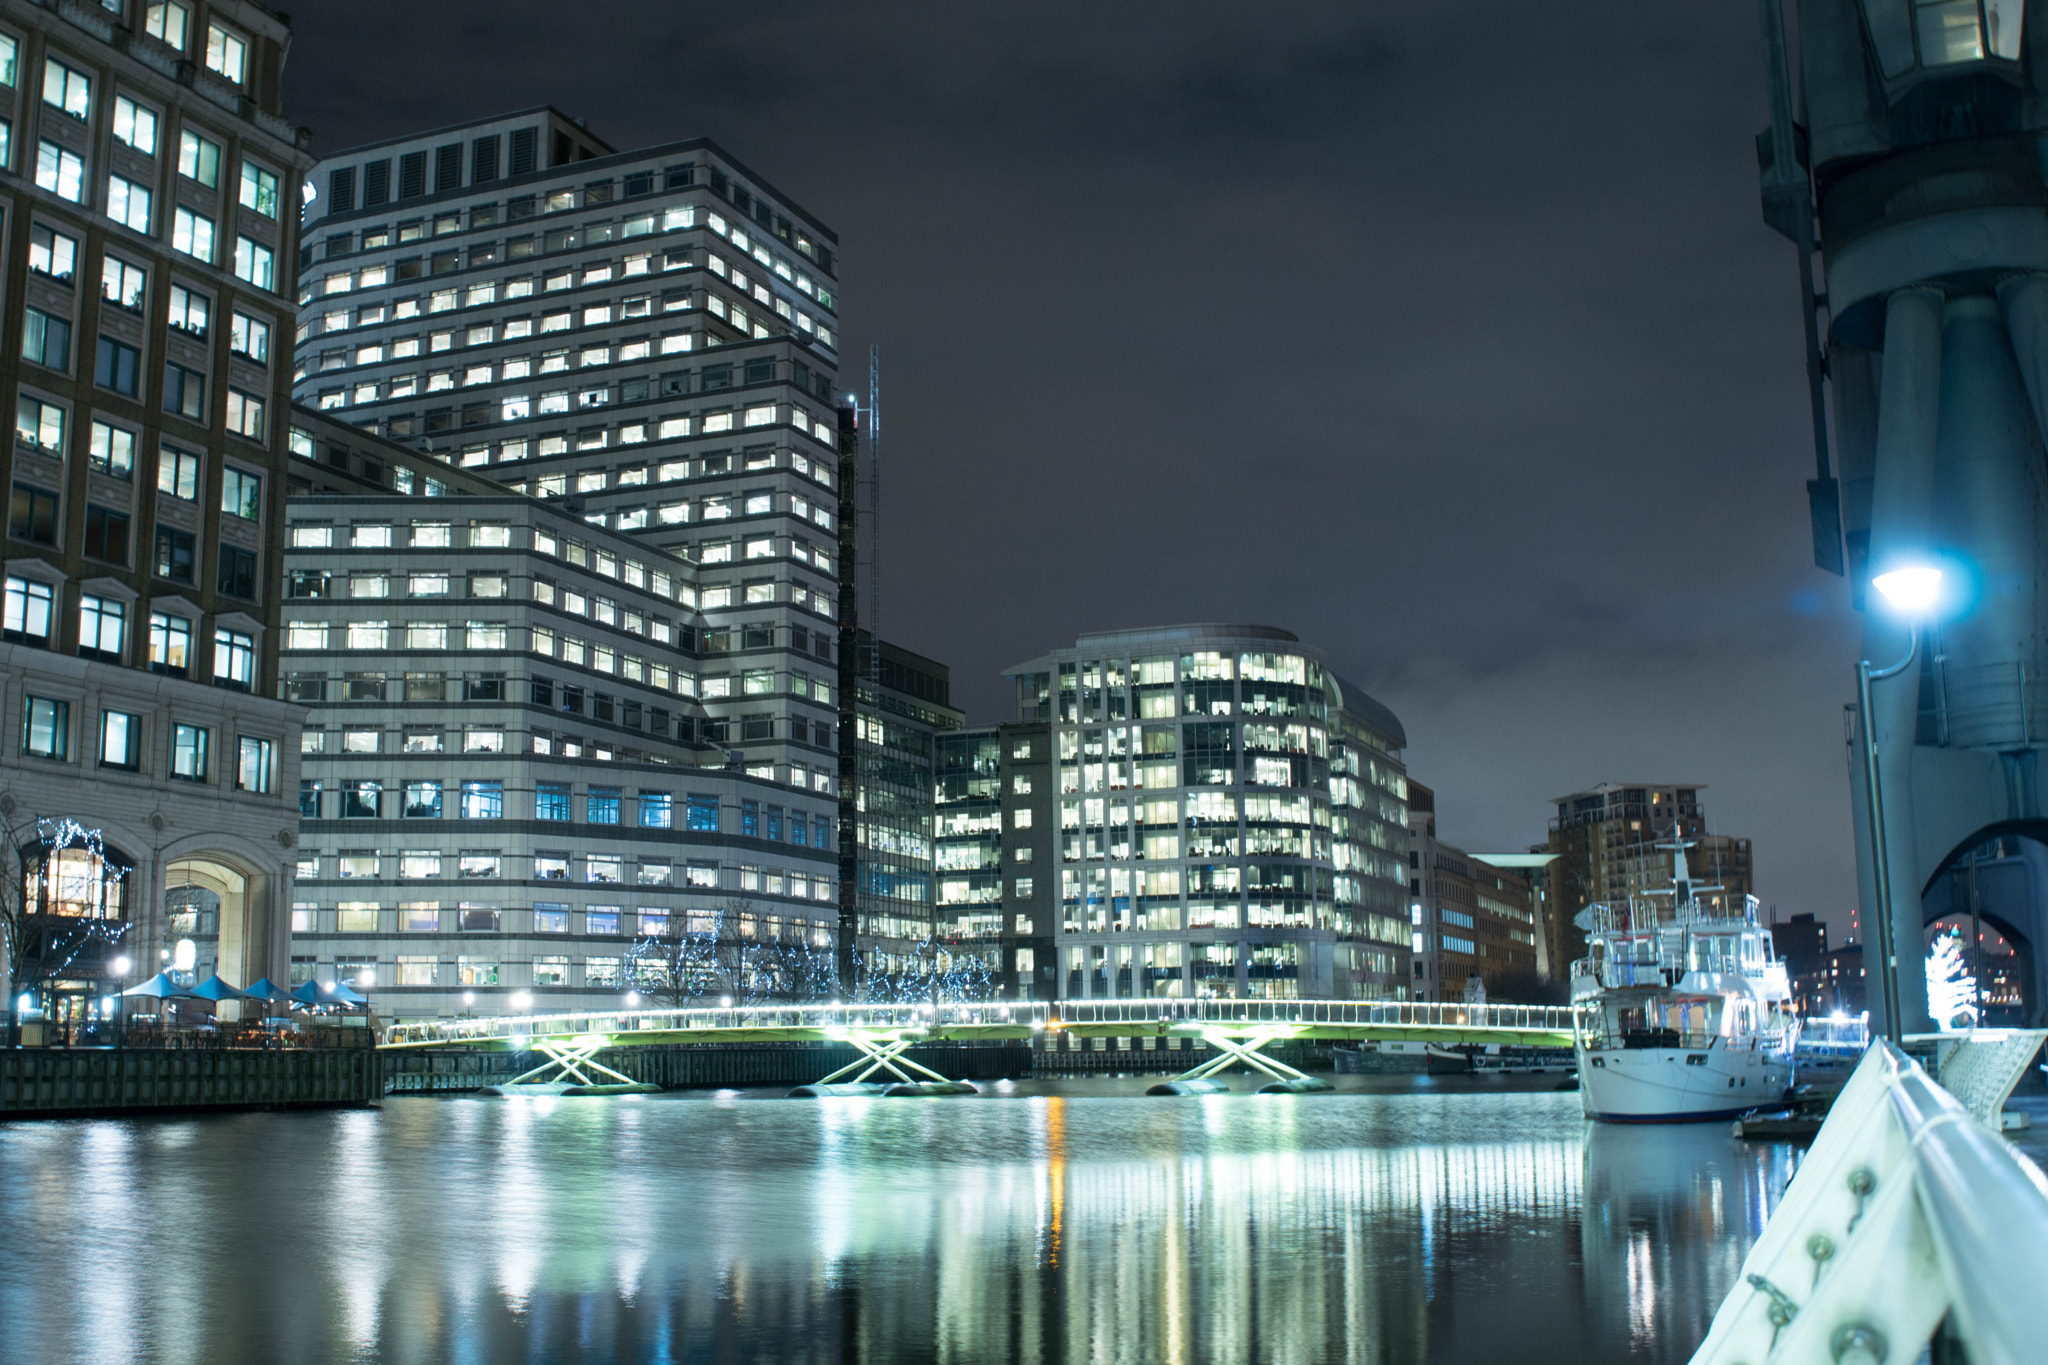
x: 1201, y: 1080
x: 567, y: 1059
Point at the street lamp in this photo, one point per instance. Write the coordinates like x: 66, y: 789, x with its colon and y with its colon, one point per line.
x: 1911, y: 591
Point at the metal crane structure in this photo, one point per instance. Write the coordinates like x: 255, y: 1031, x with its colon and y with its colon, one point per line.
x: 1907, y: 161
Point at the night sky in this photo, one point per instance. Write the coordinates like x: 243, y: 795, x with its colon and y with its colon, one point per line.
x: 1444, y: 334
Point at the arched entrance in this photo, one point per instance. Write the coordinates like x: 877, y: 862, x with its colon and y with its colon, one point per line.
x: 1994, y: 894
x: 205, y: 925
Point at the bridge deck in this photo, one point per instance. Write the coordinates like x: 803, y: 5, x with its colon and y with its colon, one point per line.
x: 1321, y: 1020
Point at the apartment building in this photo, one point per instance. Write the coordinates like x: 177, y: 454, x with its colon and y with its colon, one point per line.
x: 1231, y: 821
x: 148, y: 193
x: 1613, y: 844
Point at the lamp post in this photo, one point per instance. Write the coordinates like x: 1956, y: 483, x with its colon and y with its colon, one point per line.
x: 1911, y: 591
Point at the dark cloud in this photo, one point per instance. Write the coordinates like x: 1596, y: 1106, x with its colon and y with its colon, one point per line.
x: 1444, y: 333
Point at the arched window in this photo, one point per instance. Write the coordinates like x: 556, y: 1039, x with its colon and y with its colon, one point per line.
x: 83, y: 880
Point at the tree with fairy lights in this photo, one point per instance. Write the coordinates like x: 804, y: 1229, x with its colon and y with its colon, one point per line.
x: 1951, y: 990
x: 37, y: 945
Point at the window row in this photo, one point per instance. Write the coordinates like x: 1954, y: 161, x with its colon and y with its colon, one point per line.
x: 55, y: 728
x: 29, y: 616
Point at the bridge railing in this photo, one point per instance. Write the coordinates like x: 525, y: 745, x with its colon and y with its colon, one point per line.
x: 822, y: 1018
x: 1143, y: 1015
x: 1345, y: 1013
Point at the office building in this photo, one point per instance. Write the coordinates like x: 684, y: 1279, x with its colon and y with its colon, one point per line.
x: 149, y: 186
x: 996, y: 853
x: 647, y: 337
x: 1611, y: 846
x: 903, y: 705
x: 1468, y: 920
x: 1801, y: 943
x: 1231, y: 818
x: 516, y: 760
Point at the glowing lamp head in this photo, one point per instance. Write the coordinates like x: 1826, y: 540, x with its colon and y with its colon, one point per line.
x: 186, y: 954
x: 1911, y: 590
x: 469, y: 997
x: 521, y: 1000
x: 365, y: 979
x: 121, y: 966
x: 725, y: 1002
x: 632, y: 999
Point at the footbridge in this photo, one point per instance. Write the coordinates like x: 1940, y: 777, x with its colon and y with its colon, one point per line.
x: 1236, y: 1032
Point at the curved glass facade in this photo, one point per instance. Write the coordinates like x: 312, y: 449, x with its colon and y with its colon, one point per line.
x: 1230, y: 819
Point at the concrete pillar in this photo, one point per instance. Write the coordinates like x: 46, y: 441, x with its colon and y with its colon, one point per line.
x: 1901, y: 528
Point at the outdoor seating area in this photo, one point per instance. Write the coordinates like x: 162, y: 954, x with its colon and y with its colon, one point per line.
x: 164, y: 1014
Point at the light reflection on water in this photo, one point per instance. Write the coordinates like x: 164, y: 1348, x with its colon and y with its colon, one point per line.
x: 1052, y: 1227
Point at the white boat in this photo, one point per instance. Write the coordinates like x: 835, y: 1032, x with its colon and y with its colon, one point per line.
x: 1829, y: 1048
x: 1684, y: 1011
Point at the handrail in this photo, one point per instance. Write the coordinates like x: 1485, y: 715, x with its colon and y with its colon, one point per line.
x: 1037, y: 1015
x: 1908, y: 1209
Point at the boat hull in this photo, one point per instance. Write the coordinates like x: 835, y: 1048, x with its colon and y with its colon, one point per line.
x: 1678, y: 1085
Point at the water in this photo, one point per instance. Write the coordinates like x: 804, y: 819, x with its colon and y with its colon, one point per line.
x: 1063, y: 1223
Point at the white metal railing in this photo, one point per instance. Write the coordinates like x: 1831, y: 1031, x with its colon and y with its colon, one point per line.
x: 1906, y: 1211
x: 1142, y: 1015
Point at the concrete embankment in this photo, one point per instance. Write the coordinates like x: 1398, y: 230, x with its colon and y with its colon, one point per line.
x: 74, y: 1082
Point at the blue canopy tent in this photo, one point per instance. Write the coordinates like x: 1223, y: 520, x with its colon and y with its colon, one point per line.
x: 217, y: 990
x: 163, y: 986
x: 313, y: 994
x: 263, y: 988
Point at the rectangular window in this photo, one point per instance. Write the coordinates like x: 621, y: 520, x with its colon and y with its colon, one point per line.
x: 255, y: 263
x: 46, y: 728
x: 602, y: 806
x: 122, y: 284
x: 185, y: 393
x: 118, y: 366
x: 551, y: 801
x: 113, y: 451
x: 28, y: 610
x: 40, y: 424
x: 177, y: 473
x: 241, y: 493
x: 135, y: 124
x: 128, y: 203
x: 227, y: 53
x: 417, y: 971
x: 175, y: 555
x: 167, y: 21
x: 199, y: 159
x: 106, y: 534
x: 255, y: 770
x: 421, y: 917
x: 66, y: 89
x: 249, y: 338
x: 245, y: 414
x: 234, y: 659
x: 60, y: 172
x: 120, y: 739
x: 52, y: 253
x: 188, y: 752
x: 477, y: 971
x: 45, y: 339
x: 361, y: 799
x: 656, y: 810
x: 703, y: 812
x: 483, y: 800
x: 32, y: 515
x: 236, y: 573
x: 102, y: 626
x: 423, y: 800
x: 170, y: 643
x: 190, y: 313
x: 259, y: 189
x: 192, y: 233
